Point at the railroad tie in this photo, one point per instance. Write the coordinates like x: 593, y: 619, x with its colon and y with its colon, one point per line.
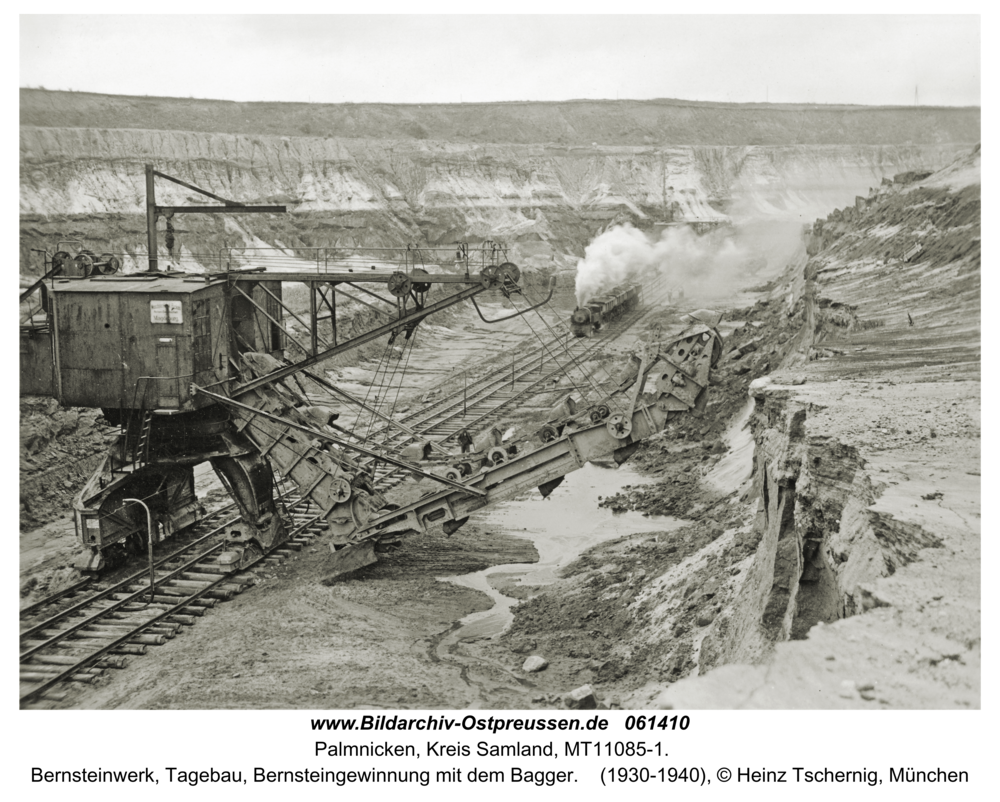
x: 172, y: 601
x: 189, y: 611
x: 104, y: 636
x: 52, y: 670
x: 39, y: 676
x: 108, y: 661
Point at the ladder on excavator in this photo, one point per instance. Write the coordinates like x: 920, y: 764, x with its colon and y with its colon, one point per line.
x: 140, y: 455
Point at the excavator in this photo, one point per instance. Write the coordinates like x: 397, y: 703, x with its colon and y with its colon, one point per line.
x: 208, y: 367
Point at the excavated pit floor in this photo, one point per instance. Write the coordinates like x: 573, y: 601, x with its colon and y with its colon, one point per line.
x: 392, y: 635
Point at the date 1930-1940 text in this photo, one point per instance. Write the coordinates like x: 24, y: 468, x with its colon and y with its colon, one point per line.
x: 641, y: 774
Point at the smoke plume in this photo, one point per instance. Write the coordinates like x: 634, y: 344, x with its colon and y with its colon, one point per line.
x: 705, y: 265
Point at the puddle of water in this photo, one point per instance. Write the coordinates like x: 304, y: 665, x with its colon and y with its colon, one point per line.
x: 562, y: 526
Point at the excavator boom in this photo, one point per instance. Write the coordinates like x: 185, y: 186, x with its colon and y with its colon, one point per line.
x: 661, y: 381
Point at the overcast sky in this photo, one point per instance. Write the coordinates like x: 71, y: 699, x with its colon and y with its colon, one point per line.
x: 450, y: 59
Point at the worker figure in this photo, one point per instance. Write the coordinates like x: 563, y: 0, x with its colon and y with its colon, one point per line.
x: 465, y: 441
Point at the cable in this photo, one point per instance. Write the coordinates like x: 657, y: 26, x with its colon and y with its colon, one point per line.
x: 382, y: 385
x: 572, y: 358
x: 399, y: 387
x: 364, y: 402
x: 602, y: 396
x: 544, y: 345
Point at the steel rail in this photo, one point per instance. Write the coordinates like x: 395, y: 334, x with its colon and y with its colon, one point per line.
x: 53, y: 598
x: 103, y: 594
x: 116, y: 642
x: 85, y: 661
x: 131, y: 579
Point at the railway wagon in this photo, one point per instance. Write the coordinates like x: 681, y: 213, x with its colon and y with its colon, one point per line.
x: 588, y: 319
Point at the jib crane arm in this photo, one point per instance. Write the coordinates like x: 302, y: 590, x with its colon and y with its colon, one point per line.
x: 153, y: 210
x: 485, y: 282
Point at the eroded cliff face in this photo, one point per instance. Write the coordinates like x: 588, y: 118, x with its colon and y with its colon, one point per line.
x: 545, y: 200
x: 866, y: 471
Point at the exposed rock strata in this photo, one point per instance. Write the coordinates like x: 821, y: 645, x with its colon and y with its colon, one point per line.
x: 83, y: 183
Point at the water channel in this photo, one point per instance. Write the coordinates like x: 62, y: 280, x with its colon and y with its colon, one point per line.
x: 562, y: 527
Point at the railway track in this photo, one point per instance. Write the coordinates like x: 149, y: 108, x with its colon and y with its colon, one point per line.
x: 88, y: 629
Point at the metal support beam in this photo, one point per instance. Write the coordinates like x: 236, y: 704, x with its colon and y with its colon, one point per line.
x: 49, y: 274
x: 374, y: 334
x: 199, y: 190
x: 372, y: 294
x: 367, y: 278
x: 318, y: 435
x: 332, y: 306
x: 151, y: 219
x: 235, y: 207
x: 263, y: 311
x: 153, y: 211
x: 365, y: 303
x: 302, y: 323
x: 313, y: 323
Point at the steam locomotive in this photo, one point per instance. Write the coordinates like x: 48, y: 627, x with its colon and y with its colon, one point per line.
x: 589, y: 318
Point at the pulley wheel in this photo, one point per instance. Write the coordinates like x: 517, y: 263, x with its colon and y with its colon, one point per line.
x: 60, y: 260
x: 600, y: 413
x: 400, y: 284
x: 497, y: 456
x: 490, y: 275
x: 420, y: 286
x: 84, y: 263
x: 340, y: 489
x: 619, y: 427
x: 548, y: 433
x: 361, y: 509
x: 509, y: 271
x: 452, y: 474
x: 107, y: 264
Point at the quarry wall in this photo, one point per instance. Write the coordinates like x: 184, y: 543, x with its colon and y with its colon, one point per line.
x: 546, y: 200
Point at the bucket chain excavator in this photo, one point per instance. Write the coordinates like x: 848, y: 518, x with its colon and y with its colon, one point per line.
x: 659, y: 382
